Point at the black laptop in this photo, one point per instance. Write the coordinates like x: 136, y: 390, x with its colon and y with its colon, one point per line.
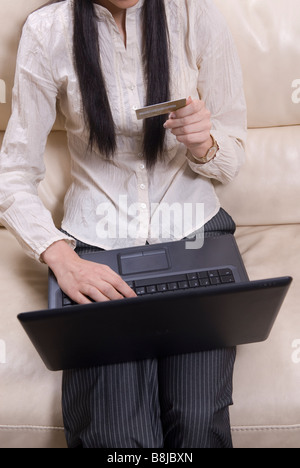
x: 189, y: 300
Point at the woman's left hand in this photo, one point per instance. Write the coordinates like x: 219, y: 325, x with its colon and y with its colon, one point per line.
x: 192, y: 125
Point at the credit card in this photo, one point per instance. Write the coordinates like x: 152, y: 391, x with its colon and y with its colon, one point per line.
x: 160, y: 109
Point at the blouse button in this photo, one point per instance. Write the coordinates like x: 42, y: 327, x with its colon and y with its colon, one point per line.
x: 142, y: 186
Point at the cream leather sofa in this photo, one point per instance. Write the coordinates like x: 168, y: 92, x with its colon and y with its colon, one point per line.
x: 264, y: 200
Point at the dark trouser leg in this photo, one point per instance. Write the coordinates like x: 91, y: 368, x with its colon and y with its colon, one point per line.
x: 114, y: 406
x: 195, y: 393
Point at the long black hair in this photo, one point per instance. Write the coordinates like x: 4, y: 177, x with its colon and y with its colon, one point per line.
x: 86, y: 52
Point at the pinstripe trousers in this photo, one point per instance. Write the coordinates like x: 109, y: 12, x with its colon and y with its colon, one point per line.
x: 175, y: 402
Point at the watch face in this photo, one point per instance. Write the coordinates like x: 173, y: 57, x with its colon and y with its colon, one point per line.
x: 211, y: 153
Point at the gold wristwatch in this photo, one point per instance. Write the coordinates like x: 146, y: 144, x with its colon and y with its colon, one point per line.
x: 211, y: 153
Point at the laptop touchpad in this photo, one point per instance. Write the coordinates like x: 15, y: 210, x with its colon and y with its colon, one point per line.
x: 143, y: 261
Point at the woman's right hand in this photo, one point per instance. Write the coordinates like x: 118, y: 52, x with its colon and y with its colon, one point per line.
x: 83, y: 280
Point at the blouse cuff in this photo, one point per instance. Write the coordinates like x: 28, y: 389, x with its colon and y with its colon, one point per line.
x: 225, y: 165
x: 70, y: 241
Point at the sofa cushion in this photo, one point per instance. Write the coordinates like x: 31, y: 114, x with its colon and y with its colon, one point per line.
x: 267, y: 189
x: 30, y: 395
x: 267, y: 36
x: 267, y: 375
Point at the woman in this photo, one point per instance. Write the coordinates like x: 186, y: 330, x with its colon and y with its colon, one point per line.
x: 100, y: 61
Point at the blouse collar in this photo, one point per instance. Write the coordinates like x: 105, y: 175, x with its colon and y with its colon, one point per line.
x: 104, y: 12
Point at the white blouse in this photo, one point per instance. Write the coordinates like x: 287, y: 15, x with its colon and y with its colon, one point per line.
x: 119, y: 203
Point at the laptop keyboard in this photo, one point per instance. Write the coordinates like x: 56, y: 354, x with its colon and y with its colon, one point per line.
x: 201, y: 279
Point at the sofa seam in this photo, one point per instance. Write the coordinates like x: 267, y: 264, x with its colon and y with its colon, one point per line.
x: 234, y: 428
x: 30, y: 428
x: 265, y: 428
